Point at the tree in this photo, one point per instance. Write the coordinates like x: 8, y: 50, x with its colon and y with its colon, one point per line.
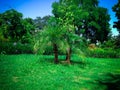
x: 28, y: 30
x: 96, y: 25
x: 40, y: 23
x: 99, y: 25
x: 116, y: 9
x: 68, y: 16
x: 60, y: 31
x: 51, y: 35
x: 13, y: 26
x: 10, y: 22
x: 60, y: 35
x: 86, y: 15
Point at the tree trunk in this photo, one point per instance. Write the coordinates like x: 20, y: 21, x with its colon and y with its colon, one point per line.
x: 55, y: 48
x: 68, y: 55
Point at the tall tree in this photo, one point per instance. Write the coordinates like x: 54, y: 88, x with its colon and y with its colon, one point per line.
x: 28, y: 30
x: 11, y: 20
x: 86, y: 15
x: 116, y: 9
x: 40, y: 23
x: 13, y: 26
x: 103, y: 31
x: 67, y: 15
x: 97, y: 24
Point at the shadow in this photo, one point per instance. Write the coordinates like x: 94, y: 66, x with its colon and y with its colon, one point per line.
x: 111, y: 81
x: 43, y: 59
x: 81, y: 64
x: 77, y: 62
x: 50, y: 60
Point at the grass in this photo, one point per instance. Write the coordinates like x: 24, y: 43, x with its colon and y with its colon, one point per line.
x: 35, y: 72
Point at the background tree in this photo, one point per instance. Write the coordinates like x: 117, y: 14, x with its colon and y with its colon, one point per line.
x: 88, y: 17
x: 28, y: 30
x: 14, y: 27
x: 11, y: 26
x: 116, y: 9
x: 96, y: 25
x: 40, y: 23
x: 102, y: 27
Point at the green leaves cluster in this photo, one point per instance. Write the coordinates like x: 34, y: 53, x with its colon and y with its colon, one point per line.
x: 53, y: 33
x: 116, y: 9
x: 14, y: 28
x: 86, y: 15
x: 40, y: 23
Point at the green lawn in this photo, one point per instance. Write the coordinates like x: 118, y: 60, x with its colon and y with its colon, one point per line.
x: 34, y: 72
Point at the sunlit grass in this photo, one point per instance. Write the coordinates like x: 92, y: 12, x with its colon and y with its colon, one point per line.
x: 34, y: 72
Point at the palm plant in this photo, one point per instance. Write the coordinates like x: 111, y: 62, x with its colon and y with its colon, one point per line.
x: 51, y: 35
x: 60, y: 34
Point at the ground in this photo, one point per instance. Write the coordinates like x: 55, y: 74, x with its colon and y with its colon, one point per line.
x: 38, y: 72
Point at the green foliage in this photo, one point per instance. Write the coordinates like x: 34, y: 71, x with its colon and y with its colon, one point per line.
x: 52, y: 34
x: 108, y: 44
x: 40, y: 23
x: 69, y: 14
x: 103, y: 53
x: 116, y: 9
x: 11, y: 20
x: 85, y: 15
x: 15, y: 48
x: 14, y: 27
x: 113, y: 42
x: 33, y: 72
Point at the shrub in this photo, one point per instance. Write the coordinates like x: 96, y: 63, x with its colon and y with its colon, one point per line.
x: 114, y: 42
x: 15, y: 48
x: 103, y: 53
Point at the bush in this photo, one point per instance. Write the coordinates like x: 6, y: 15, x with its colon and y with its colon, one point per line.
x: 15, y: 48
x: 114, y: 42
x: 49, y: 51
x: 103, y: 53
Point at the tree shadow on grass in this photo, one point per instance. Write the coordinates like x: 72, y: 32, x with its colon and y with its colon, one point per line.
x: 46, y: 60
x: 111, y: 81
x: 50, y: 60
x: 81, y: 64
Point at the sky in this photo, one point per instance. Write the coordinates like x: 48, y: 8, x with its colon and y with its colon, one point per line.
x: 36, y: 8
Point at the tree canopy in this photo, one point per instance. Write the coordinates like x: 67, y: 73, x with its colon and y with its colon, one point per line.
x: 40, y: 23
x: 14, y: 27
x: 116, y: 9
x: 91, y: 20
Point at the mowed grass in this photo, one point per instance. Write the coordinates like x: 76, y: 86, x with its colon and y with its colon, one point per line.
x: 37, y: 72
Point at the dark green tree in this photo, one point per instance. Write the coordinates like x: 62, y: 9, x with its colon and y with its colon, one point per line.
x: 10, y: 24
x: 14, y: 27
x: 40, y: 23
x: 98, y: 27
x: 27, y: 30
x: 116, y: 9
x: 88, y: 17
